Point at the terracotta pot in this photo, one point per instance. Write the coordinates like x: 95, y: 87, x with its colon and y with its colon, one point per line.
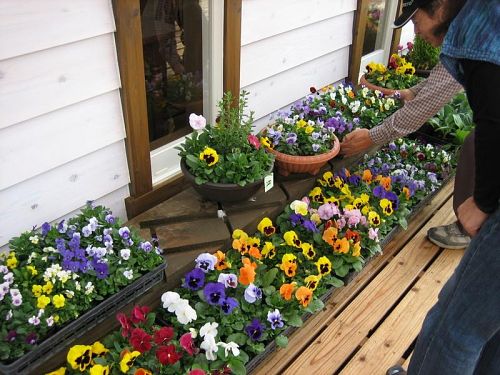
x: 287, y: 164
x: 217, y: 192
x: 371, y: 86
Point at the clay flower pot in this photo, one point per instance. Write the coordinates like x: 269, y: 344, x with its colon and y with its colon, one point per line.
x: 371, y: 86
x: 287, y: 164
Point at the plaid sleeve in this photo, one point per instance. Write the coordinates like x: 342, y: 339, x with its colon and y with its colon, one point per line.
x: 433, y: 94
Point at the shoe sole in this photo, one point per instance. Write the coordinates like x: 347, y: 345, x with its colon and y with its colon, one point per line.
x: 446, y: 246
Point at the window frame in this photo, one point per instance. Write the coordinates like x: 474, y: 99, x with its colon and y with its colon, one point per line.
x: 133, y: 95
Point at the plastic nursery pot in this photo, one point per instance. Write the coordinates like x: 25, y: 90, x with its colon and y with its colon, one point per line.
x: 287, y: 164
x: 218, y: 192
x: 387, y: 92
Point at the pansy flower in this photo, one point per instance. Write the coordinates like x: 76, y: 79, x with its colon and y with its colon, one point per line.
x: 274, y: 317
x: 374, y: 218
x: 292, y: 239
x: 330, y: 235
x: 328, y: 178
x: 356, y: 249
x: 247, y: 272
x: 308, y: 251
x: 228, y: 304
x: 312, y: 281
x: 353, y: 235
x: 266, y: 227
x: 167, y: 355
x: 254, y: 330
x: 239, y: 234
x: 214, y: 293
x: 268, y: 250
x: 222, y: 263
x: 163, y: 335
x: 194, y: 279
x: 228, y: 279
x: 252, y: 293
x: 324, y: 266
x: 206, y: 262
x: 187, y: 343
x: 316, y: 195
x: 386, y: 205
x: 304, y: 295
x: 209, y: 155
x: 299, y: 207
x: 286, y: 291
x: 80, y: 357
x: 341, y: 246
x: 140, y: 340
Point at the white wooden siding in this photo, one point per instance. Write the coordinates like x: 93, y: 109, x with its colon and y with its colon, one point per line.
x: 55, y: 193
x: 44, y: 81
x: 289, y: 46
x: 27, y: 26
x: 263, y: 18
x: 61, y: 124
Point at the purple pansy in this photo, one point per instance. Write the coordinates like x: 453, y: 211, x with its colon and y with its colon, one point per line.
x: 274, y: 317
x: 45, y: 228
x: 252, y: 293
x: 228, y: 304
x: 195, y: 279
x: 254, y: 330
x: 214, y: 293
x: 206, y: 262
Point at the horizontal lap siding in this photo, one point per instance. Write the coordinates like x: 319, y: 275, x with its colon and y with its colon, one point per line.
x: 61, y: 129
x: 289, y: 46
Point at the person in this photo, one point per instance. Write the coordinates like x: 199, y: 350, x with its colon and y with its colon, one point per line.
x: 423, y: 101
x: 461, y: 333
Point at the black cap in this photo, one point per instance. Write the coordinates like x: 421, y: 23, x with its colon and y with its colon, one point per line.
x: 409, y: 9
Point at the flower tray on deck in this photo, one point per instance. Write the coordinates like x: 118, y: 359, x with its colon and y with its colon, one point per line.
x: 70, y: 333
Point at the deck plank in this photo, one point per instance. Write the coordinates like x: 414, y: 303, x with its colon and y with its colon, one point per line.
x: 401, y: 327
x: 276, y: 362
x: 338, y: 341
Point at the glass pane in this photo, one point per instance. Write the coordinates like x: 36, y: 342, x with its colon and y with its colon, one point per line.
x: 173, y: 47
x: 374, y: 26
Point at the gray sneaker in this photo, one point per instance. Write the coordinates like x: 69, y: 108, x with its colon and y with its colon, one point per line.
x: 448, y: 236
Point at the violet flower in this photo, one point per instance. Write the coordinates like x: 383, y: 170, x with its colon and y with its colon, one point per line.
x: 274, y: 317
x: 228, y: 304
x: 254, y: 330
x: 214, y: 293
x: 195, y: 279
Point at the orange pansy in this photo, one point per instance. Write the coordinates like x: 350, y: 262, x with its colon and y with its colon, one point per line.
x: 330, y: 235
x: 221, y: 264
x: 304, y: 295
x: 341, y: 246
x: 247, y: 272
x: 286, y: 291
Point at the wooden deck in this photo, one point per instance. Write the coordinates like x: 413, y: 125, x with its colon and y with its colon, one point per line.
x: 372, y: 323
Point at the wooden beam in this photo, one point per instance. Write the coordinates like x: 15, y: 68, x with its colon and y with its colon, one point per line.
x: 357, y: 41
x: 396, y: 35
x: 232, y: 46
x: 133, y: 93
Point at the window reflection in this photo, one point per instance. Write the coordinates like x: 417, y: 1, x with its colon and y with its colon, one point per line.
x: 172, y: 47
x: 374, y: 26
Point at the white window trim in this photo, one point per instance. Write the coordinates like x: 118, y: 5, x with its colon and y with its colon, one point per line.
x: 164, y: 160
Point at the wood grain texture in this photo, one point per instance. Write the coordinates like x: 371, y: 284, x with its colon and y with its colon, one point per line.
x: 282, y: 52
x: 61, y: 190
x: 131, y: 62
x: 232, y: 46
x: 44, y: 81
x: 61, y: 137
x: 280, y: 359
x: 32, y: 25
x: 358, y: 39
x: 263, y: 18
x: 401, y: 327
x: 336, y: 343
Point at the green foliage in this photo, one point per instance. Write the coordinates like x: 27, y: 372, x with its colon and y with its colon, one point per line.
x: 454, y: 119
x: 423, y: 55
x: 238, y: 157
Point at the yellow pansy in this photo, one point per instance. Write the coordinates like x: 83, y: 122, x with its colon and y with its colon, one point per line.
x: 292, y: 239
x: 58, y: 301
x: 301, y: 123
x: 356, y: 249
x: 374, y: 218
x: 33, y: 270
x: 316, y: 218
x: 42, y: 302
x: 265, y: 142
x: 36, y: 290
x: 239, y: 234
x: 47, y: 288
x: 79, y: 357
x: 316, y: 195
x: 309, y: 129
x: 312, y: 281
x: 128, y: 360
x: 386, y: 205
x: 308, y: 251
x: 324, y: 266
x: 99, y: 370
x: 266, y: 227
x: 209, y: 155
x: 98, y: 349
x: 299, y: 207
x: 12, y: 262
x: 328, y: 177
x: 59, y: 371
x: 365, y: 198
x: 269, y: 250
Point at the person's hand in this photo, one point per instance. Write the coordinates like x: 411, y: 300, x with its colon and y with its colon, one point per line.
x: 471, y: 217
x: 356, y: 142
x: 406, y: 95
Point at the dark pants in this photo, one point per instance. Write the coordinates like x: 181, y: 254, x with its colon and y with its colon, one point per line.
x: 464, y: 177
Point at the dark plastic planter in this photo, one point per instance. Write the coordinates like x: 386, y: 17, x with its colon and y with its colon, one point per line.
x: 76, y: 329
x: 222, y: 192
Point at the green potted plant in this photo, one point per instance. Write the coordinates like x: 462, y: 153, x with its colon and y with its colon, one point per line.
x: 225, y: 162
x: 423, y: 56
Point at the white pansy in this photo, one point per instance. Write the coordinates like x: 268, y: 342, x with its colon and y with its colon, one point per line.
x: 9, y: 315
x: 129, y: 274
x: 89, y: 288
x: 209, y: 329
x: 34, y: 320
x: 34, y: 240
x: 170, y: 300
x: 210, y: 347
x: 230, y: 347
x: 125, y: 254
x: 185, y: 313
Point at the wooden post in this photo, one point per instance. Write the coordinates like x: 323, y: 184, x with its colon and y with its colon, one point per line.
x: 232, y: 46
